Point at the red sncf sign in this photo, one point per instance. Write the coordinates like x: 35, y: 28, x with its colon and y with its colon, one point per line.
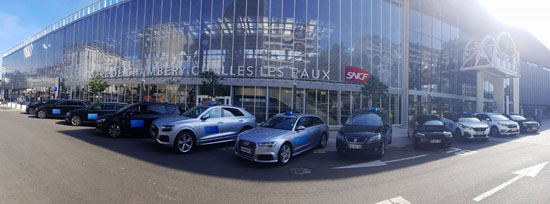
x: 356, y: 74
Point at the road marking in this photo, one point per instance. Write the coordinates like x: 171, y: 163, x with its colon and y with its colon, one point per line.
x: 453, y: 149
x: 377, y: 163
x: 458, y: 151
x: 530, y: 171
x: 396, y: 200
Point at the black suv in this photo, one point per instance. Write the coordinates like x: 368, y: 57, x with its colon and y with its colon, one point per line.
x: 525, y: 125
x: 91, y: 113
x: 59, y: 108
x: 32, y: 107
x: 134, y: 119
x: 428, y: 129
x: 366, y: 132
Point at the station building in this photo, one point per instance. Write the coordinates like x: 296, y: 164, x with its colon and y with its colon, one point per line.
x: 434, y: 55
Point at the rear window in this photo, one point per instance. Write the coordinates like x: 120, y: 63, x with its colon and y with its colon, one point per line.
x: 433, y: 122
x: 156, y: 109
x: 171, y: 109
x: 231, y: 112
x: 109, y: 107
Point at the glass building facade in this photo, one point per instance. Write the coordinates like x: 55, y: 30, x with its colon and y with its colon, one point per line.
x: 261, y: 48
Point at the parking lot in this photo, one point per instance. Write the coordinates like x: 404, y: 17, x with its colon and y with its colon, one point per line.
x: 47, y: 161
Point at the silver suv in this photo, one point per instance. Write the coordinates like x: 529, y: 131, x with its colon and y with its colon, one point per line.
x: 202, y: 125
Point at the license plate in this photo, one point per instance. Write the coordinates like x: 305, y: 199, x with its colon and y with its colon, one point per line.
x: 480, y: 133
x: 354, y: 146
x: 246, y: 150
x: 435, y: 141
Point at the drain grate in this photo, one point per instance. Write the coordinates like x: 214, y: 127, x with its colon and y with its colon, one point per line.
x: 300, y: 171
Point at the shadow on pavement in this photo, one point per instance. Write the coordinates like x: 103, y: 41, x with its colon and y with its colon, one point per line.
x: 219, y: 160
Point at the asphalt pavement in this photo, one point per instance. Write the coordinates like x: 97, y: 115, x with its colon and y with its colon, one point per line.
x: 47, y: 161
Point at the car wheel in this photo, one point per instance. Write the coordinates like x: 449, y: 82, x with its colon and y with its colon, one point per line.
x: 324, y: 141
x: 382, y: 149
x: 184, y: 143
x: 31, y: 110
x: 41, y: 114
x: 494, y: 132
x: 284, y: 155
x: 114, y: 131
x: 75, y: 120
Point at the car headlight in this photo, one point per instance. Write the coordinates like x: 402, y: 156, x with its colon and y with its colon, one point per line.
x: 466, y: 127
x: 267, y: 144
x: 447, y: 134
x: 100, y: 120
x: 166, y: 128
x: 502, y: 125
x: 374, y: 139
x: 419, y: 134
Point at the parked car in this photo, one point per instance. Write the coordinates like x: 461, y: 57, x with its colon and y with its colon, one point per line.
x: 499, y: 124
x: 202, y: 125
x: 59, y: 108
x: 429, y: 130
x: 32, y: 107
x: 466, y: 126
x: 134, y: 119
x: 91, y: 113
x: 525, y: 125
x: 281, y: 137
x: 365, y: 132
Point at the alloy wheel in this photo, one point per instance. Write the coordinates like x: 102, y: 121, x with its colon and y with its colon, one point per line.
x: 185, y: 143
x: 75, y: 120
x: 42, y: 114
x: 324, y: 141
x: 114, y: 131
x: 284, y: 154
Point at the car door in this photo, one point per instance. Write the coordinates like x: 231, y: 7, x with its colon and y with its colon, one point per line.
x: 316, y: 129
x: 58, y: 108
x: 302, y: 138
x: 93, y: 112
x: 211, y: 128
x: 233, y: 121
x: 135, y: 120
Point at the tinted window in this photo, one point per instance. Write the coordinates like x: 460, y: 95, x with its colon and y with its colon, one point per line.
x: 108, y: 107
x: 61, y: 103
x: 283, y: 123
x: 317, y: 121
x: 156, y: 109
x: 369, y: 119
x: 96, y: 107
x: 215, y: 113
x: 305, y: 121
x: 231, y: 112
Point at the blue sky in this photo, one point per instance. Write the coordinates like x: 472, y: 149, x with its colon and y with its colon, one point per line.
x: 19, y: 19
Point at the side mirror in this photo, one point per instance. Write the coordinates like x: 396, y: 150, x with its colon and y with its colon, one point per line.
x: 300, y: 128
x: 205, y: 116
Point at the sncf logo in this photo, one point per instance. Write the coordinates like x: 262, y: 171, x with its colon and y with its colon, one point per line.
x: 356, y: 74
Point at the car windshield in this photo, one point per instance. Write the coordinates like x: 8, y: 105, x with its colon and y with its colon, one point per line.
x: 518, y: 117
x: 433, y: 122
x: 368, y: 119
x: 498, y: 117
x: 283, y: 123
x: 468, y: 120
x: 194, y: 112
x: 125, y: 108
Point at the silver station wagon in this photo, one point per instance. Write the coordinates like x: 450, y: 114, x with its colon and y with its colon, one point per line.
x: 282, y: 137
x: 202, y: 125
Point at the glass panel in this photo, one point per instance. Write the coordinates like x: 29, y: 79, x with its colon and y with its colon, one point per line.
x: 333, y: 108
x: 274, y: 102
x: 260, y: 104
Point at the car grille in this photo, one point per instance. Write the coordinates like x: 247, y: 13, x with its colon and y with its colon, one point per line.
x: 532, y: 125
x: 512, y: 126
x: 356, y: 139
x: 248, y: 144
x: 480, y: 129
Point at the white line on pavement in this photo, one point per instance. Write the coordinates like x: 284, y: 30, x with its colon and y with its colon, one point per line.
x: 396, y: 200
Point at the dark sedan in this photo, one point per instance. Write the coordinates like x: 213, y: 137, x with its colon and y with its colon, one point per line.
x: 525, y: 125
x: 59, y: 109
x: 429, y: 130
x: 91, y: 113
x: 365, y: 132
x: 32, y: 107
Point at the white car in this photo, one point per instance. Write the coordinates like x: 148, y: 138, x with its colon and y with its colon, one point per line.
x: 499, y: 124
x: 466, y: 126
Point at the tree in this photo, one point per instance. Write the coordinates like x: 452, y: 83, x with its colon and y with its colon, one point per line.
x: 211, y: 84
x: 375, y: 89
x: 97, y: 85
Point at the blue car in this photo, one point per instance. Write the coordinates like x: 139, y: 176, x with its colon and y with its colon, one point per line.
x: 281, y: 137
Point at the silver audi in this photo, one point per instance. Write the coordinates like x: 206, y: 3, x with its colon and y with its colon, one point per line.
x: 281, y: 137
x: 202, y: 125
